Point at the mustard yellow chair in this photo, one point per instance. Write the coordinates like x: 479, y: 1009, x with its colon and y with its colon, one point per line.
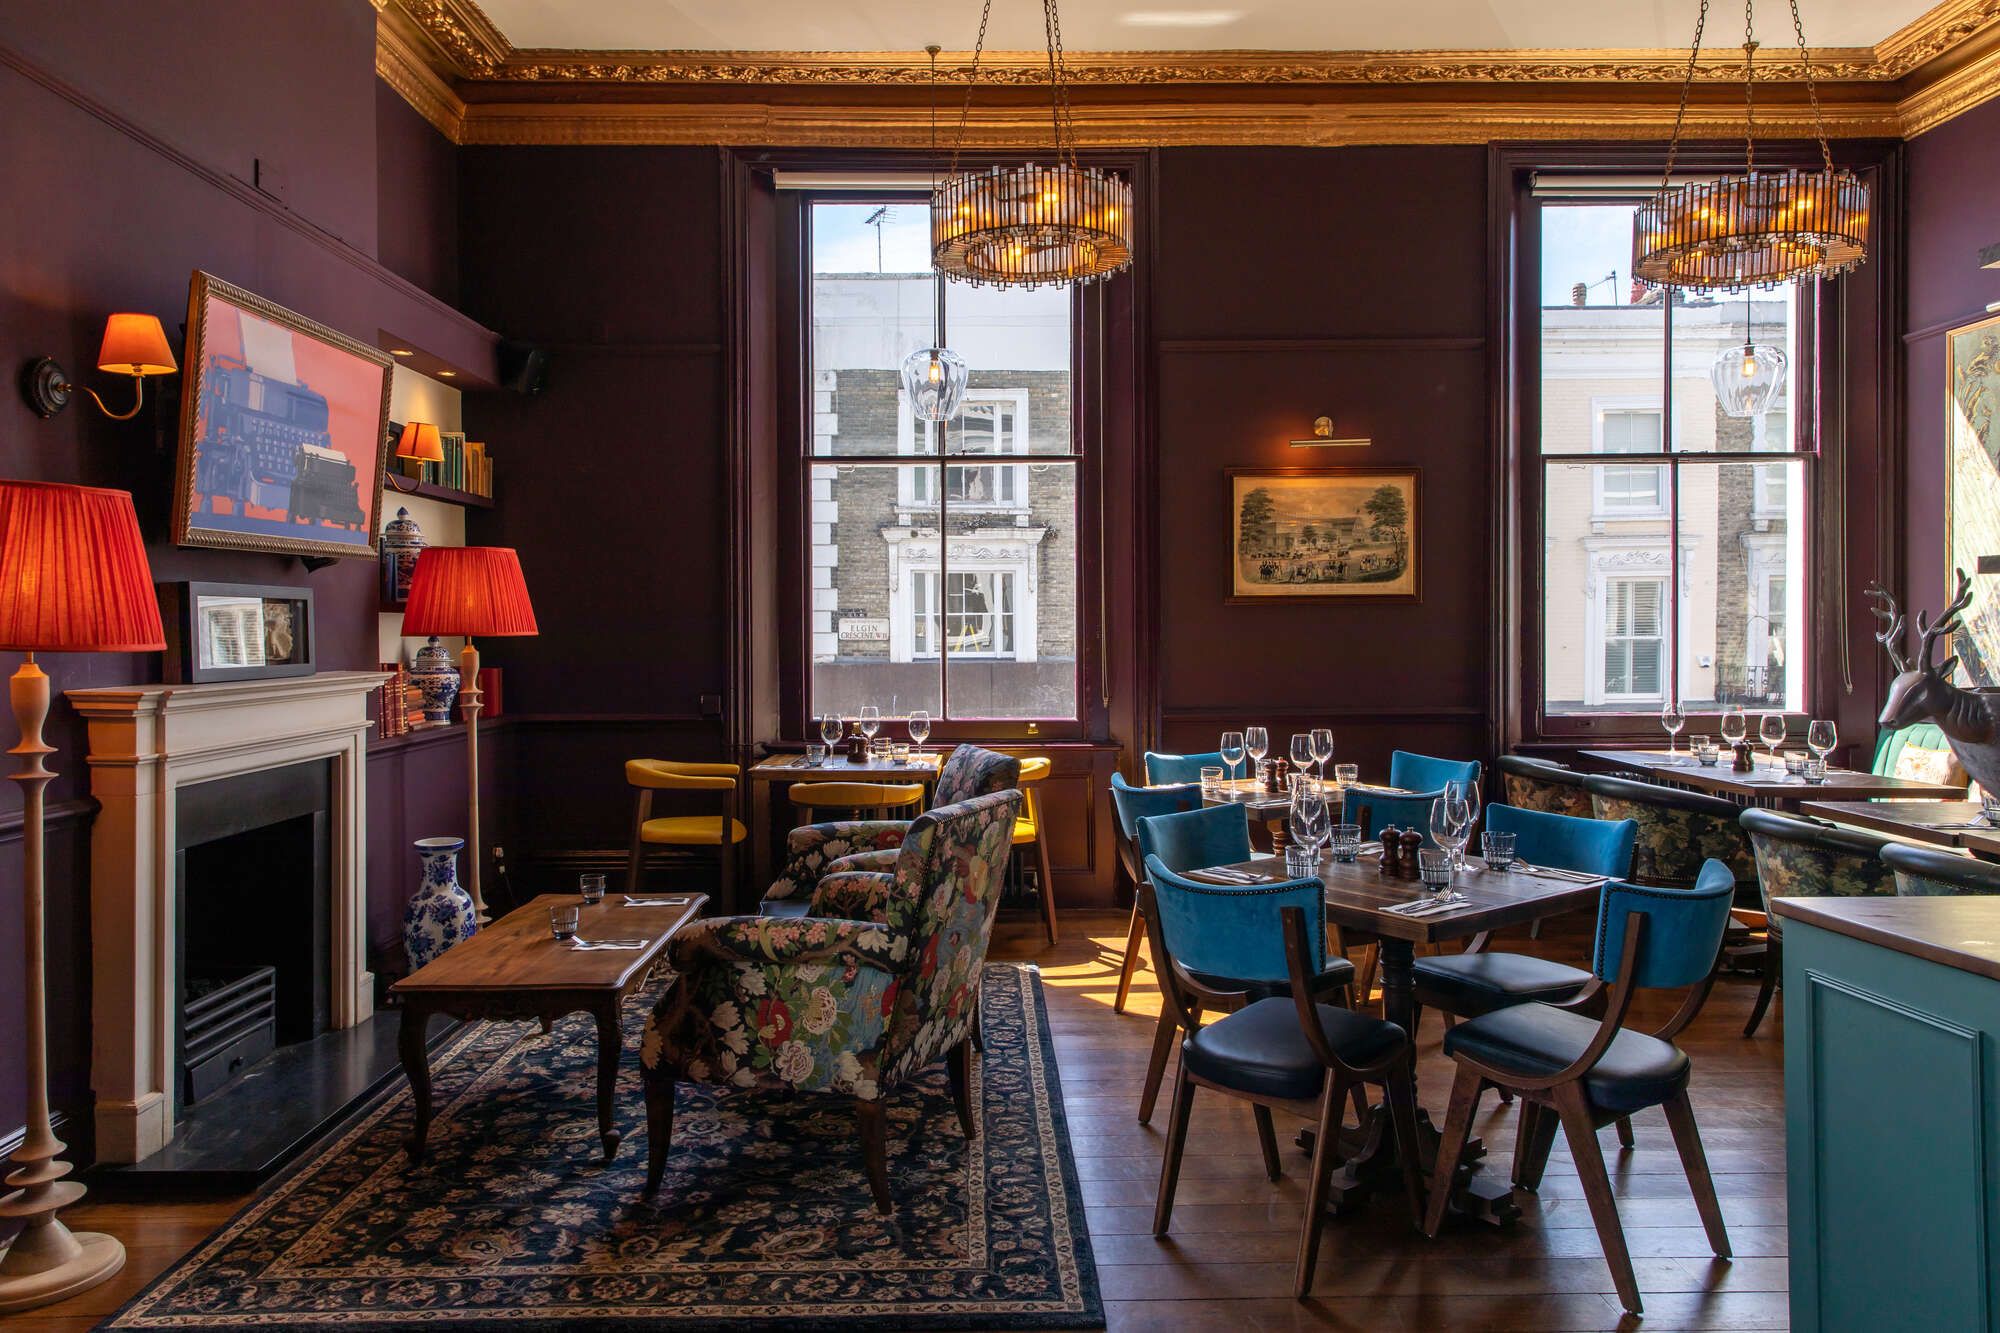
x: 818, y: 802
x: 1028, y: 828
x: 721, y: 831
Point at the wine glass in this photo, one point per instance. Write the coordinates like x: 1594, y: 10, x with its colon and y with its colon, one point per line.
x: 830, y: 729
x: 871, y: 720
x: 1464, y: 798
x: 1444, y: 823
x: 1322, y: 747
x: 1307, y: 820
x: 1232, y: 751
x: 920, y: 726
x: 1734, y: 726
x: 1771, y: 729
x: 1821, y: 737
x: 1258, y: 742
x: 1302, y: 751
x: 1673, y: 719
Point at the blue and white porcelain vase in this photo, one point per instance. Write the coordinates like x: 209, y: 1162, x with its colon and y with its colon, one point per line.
x: 440, y: 914
x: 437, y: 676
x: 402, y: 543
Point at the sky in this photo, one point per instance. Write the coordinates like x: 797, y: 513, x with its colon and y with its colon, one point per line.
x: 1584, y: 244
x: 844, y: 243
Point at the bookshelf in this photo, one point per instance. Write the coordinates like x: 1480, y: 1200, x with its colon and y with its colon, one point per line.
x: 430, y: 490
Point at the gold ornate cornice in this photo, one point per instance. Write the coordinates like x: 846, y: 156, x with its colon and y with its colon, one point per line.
x: 459, y: 70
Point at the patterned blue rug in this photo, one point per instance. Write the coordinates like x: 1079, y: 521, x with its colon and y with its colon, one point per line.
x: 763, y: 1221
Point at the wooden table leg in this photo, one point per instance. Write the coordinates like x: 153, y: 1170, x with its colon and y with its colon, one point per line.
x: 415, y: 1052
x: 610, y: 1047
x: 761, y: 797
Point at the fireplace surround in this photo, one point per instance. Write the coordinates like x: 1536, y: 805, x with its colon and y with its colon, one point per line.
x: 147, y: 742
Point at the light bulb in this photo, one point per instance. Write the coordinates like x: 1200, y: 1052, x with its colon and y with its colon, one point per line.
x: 935, y: 372
x: 1749, y: 363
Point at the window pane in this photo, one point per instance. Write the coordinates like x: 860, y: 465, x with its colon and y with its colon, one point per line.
x: 1743, y: 530
x: 1711, y: 327
x: 872, y: 305
x: 1009, y: 620
x: 1606, y: 634
x: 1018, y: 346
x: 1602, y: 338
x: 875, y: 592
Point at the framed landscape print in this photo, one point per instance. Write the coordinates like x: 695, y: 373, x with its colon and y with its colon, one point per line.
x: 1972, y: 496
x: 1324, y: 533
x: 284, y: 430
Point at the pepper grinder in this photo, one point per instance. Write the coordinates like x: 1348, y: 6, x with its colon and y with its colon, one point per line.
x: 1746, y: 759
x: 1275, y: 782
x: 1412, y: 841
x: 857, y: 745
x: 1392, y: 851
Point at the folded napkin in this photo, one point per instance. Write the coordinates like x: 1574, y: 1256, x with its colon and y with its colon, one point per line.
x: 1426, y: 906
x: 630, y: 901
x: 1551, y: 872
x: 1226, y: 875
x: 608, y: 944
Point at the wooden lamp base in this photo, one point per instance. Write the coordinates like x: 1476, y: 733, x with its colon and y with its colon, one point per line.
x: 47, y: 1262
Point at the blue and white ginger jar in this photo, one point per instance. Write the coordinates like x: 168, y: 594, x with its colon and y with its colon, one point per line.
x: 440, y: 914
x: 437, y: 676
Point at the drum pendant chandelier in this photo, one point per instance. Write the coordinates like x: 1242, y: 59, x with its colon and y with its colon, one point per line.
x: 1758, y: 229
x: 1036, y: 224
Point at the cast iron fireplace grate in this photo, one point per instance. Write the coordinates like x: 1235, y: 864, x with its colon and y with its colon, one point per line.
x: 229, y: 1021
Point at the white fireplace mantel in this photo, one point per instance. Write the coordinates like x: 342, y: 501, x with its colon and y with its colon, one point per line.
x: 146, y: 742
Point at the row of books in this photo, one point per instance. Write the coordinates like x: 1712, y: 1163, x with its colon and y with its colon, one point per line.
x: 399, y: 704
x: 465, y: 466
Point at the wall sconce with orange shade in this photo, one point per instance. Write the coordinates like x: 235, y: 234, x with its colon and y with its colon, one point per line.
x: 133, y: 345
x: 419, y: 441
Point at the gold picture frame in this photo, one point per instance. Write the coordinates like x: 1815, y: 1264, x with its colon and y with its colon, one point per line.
x: 284, y: 430
x: 1972, y: 492
x: 1333, y: 534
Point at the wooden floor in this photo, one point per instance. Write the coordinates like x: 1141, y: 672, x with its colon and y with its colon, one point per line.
x: 1228, y: 1264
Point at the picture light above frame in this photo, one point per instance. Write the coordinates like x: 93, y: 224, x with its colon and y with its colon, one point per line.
x: 1322, y: 438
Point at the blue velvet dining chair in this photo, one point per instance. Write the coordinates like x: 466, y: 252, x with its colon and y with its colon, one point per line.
x: 1420, y: 772
x: 1580, y: 1073
x: 1478, y: 980
x: 1131, y: 805
x: 1373, y: 810
x: 1213, y: 836
x: 1284, y: 1051
x: 1162, y: 768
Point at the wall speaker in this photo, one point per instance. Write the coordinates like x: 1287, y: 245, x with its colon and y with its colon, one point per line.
x: 524, y: 367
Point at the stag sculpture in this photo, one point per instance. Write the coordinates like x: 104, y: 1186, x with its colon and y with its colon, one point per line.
x: 1924, y: 692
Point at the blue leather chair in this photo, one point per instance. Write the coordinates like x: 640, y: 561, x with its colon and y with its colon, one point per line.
x: 1374, y: 809
x: 1420, y: 772
x: 1478, y: 981
x: 1164, y: 768
x: 1282, y: 1052
x: 1582, y: 1073
x: 1131, y: 805
x: 1215, y: 835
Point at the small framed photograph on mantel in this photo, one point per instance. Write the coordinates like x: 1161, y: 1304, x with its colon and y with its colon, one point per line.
x: 238, y: 631
x: 1324, y: 534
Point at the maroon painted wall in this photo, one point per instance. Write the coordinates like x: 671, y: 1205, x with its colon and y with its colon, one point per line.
x: 1953, y: 212
x: 131, y: 142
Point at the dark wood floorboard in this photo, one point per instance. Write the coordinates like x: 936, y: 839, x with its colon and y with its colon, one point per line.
x: 1228, y: 1264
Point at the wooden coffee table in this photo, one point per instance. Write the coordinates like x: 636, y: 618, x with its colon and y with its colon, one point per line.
x: 515, y: 968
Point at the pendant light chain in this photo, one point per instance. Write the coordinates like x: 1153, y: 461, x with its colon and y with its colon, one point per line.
x: 1812, y: 88
x: 1750, y: 86
x: 972, y: 81
x: 1687, y: 85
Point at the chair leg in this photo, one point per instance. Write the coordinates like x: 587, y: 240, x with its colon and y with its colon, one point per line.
x: 659, y: 1126
x: 958, y: 1064
x: 978, y: 1027
x: 1170, y: 1160
x: 1156, y: 1065
x: 1465, y: 1090
x: 726, y: 874
x: 1134, y: 933
x: 1588, y: 1157
x: 1766, y: 987
x: 1047, y: 883
x: 1680, y: 1119
x: 1358, y: 1094
x: 1267, y: 1140
x: 1371, y: 959
x: 1532, y: 1143
x: 875, y: 1151
x: 1625, y: 1139
x: 1326, y: 1155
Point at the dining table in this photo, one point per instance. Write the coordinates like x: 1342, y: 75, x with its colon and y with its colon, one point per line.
x: 775, y: 771
x: 1270, y: 808
x: 1361, y: 899
x: 1935, y: 823
x: 1769, y: 784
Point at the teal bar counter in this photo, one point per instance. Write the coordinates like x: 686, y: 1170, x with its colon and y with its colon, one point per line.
x: 1892, y: 1112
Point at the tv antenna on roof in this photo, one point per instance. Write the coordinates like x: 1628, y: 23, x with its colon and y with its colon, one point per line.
x: 1579, y: 295
x: 875, y: 220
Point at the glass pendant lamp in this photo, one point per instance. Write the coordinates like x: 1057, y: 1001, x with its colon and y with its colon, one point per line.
x: 934, y: 377
x: 1747, y: 378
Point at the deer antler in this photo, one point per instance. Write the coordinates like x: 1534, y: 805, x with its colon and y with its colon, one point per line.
x: 1946, y: 622
x: 1891, y: 637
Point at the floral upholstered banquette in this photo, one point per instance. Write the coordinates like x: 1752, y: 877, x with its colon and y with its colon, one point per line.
x: 1678, y: 832
x: 870, y: 844
x: 876, y: 984
x: 1539, y: 784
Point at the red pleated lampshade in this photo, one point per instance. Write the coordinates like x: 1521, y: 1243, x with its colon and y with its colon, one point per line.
x: 472, y: 590
x: 73, y: 572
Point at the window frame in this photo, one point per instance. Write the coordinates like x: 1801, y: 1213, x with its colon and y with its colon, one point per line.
x: 1520, y: 713
x: 1087, y: 348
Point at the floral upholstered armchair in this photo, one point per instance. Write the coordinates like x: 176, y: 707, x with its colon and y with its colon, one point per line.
x: 870, y: 989
x: 815, y: 850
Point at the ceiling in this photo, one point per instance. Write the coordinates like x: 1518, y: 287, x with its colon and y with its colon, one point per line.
x: 1176, y: 25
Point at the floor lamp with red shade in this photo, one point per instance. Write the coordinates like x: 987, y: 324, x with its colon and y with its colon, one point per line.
x: 73, y: 579
x: 470, y: 591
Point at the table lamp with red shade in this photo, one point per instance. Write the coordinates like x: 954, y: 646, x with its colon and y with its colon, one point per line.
x: 73, y: 579
x: 474, y: 591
